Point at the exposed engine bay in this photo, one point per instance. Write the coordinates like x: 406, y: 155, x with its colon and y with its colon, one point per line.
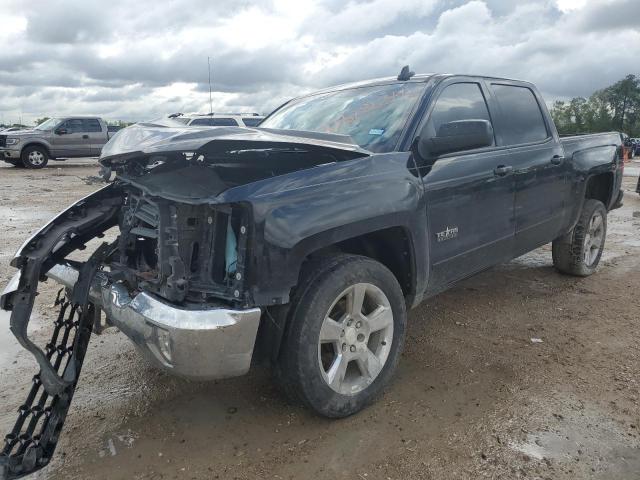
x: 179, y: 251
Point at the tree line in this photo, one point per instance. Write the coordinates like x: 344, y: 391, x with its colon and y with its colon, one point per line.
x: 616, y: 107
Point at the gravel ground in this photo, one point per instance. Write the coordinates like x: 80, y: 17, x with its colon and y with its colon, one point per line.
x: 474, y: 397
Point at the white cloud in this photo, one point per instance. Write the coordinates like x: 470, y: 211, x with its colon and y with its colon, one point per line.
x: 568, y: 5
x: 138, y: 60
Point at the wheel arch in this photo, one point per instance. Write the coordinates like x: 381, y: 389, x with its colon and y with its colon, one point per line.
x: 36, y: 144
x: 391, y: 245
x: 388, y: 239
x: 599, y: 186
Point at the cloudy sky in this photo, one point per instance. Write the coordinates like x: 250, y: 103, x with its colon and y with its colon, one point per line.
x: 139, y: 60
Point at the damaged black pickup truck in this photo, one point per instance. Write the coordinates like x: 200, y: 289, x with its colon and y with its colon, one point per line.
x: 303, y: 243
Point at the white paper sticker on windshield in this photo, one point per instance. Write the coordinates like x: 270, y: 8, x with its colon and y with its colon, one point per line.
x: 376, y: 131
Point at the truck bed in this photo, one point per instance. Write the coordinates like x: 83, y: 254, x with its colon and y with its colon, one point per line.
x: 575, y: 143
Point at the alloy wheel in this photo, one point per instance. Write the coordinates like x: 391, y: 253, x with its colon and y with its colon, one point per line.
x: 593, y: 239
x: 355, y: 338
x: 36, y: 158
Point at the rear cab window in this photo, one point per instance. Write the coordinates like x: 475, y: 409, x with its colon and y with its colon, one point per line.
x: 522, y: 119
x: 92, y: 125
x: 251, y: 122
x: 215, y: 122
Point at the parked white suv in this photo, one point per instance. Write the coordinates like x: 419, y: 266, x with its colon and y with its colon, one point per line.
x: 219, y: 119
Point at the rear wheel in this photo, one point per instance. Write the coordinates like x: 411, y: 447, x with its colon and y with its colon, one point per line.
x: 579, y: 251
x: 35, y: 157
x: 345, y: 335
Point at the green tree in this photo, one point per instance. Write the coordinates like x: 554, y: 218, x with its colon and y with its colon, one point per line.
x: 616, y: 107
x: 560, y: 115
x: 40, y: 120
x: 624, y: 99
x: 119, y: 123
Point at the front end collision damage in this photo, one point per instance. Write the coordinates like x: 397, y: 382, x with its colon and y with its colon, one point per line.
x: 32, y: 441
x: 69, y: 231
x: 178, y: 238
x: 201, y: 341
x: 202, y: 247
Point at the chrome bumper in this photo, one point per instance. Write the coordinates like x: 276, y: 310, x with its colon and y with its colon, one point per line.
x: 9, y: 153
x: 201, y: 344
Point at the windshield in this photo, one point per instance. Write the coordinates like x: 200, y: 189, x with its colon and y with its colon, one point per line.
x: 48, y: 124
x: 373, y: 116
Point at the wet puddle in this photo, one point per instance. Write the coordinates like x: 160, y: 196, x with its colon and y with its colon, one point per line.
x: 21, y: 221
x: 11, y: 352
x: 9, y: 346
x: 600, y: 443
x: 25, y: 215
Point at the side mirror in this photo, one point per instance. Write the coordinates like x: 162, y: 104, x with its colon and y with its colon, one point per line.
x: 61, y: 131
x: 456, y: 137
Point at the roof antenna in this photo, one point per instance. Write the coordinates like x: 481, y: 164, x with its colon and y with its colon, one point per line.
x: 210, y: 102
x: 405, y: 74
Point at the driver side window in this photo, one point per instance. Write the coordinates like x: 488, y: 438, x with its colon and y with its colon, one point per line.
x: 460, y: 101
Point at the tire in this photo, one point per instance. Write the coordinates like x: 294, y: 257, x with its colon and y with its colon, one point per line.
x: 35, y: 157
x: 348, y: 369
x: 579, y: 251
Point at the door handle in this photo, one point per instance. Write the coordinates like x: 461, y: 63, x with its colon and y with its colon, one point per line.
x: 502, y: 170
x: 557, y: 159
x: 85, y: 136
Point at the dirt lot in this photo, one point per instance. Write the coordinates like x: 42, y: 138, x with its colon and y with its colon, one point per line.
x: 474, y: 396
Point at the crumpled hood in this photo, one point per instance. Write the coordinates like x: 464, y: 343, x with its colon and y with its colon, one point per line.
x: 170, y: 136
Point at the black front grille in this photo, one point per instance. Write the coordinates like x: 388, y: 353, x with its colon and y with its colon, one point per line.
x: 3, y: 140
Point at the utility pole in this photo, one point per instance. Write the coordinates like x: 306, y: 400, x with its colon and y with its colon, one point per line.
x: 210, y: 101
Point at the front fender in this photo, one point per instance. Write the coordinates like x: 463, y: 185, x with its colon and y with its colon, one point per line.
x: 30, y: 142
x: 317, y: 208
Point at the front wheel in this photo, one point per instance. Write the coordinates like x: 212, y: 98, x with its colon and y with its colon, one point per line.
x: 346, y: 333
x: 35, y: 157
x: 579, y: 252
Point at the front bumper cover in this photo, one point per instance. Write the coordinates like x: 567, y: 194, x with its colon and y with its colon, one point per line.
x: 9, y: 153
x: 200, y: 343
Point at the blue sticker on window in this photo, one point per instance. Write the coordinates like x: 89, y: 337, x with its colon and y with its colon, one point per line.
x: 376, y: 131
